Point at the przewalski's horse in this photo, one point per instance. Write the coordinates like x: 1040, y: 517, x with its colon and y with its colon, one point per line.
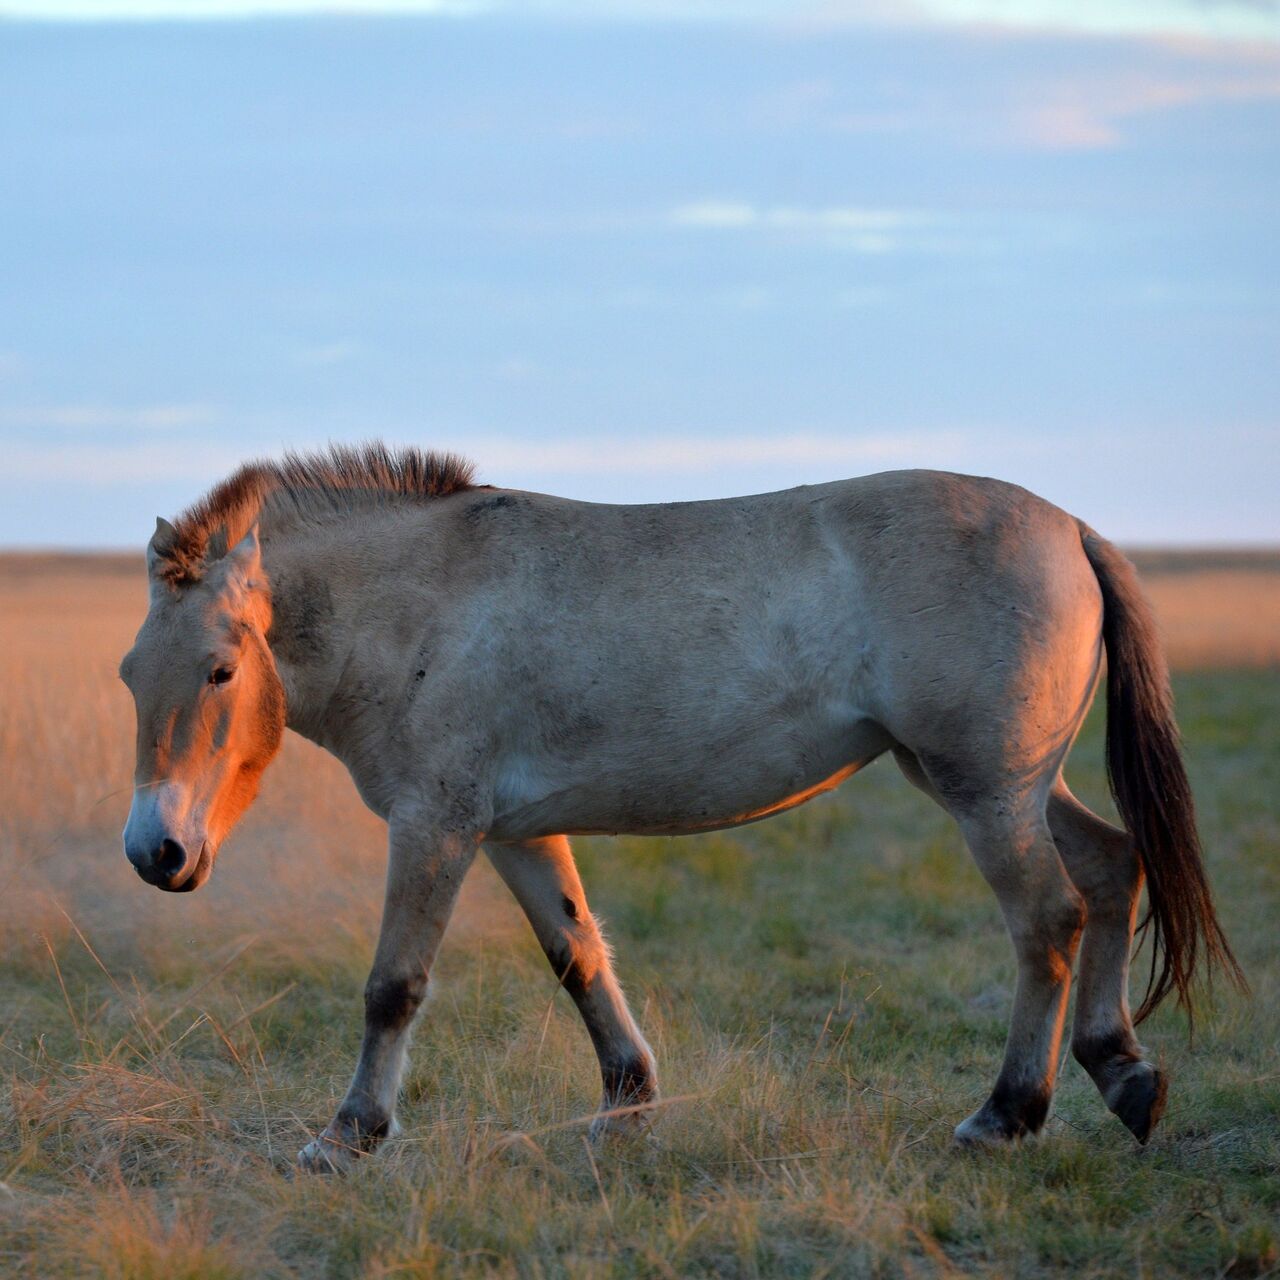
x: 503, y: 669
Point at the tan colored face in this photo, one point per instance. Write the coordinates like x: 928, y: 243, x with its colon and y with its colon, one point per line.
x: 210, y: 712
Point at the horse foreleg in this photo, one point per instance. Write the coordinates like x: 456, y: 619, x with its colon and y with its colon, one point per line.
x: 542, y: 876
x: 425, y: 869
x: 1103, y: 865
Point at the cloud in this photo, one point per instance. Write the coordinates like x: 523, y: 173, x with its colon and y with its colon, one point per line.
x: 99, y: 466
x: 1211, y: 19
x: 691, y: 455
x: 1088, y: 111
x: 199, y: 464
x: 100, y: 417
x: 323, y: 354
x: 1238, y: 20
x: 203, y: 10
x: 863, y: 230
x: 718, y: 214
x: 519, y: 369
x: 723, y: 213
x: 1080, y: 103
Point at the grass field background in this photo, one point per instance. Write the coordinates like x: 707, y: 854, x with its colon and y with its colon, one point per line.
x: 827, y: 993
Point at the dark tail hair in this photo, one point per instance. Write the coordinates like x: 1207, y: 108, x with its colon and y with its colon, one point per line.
x: 1149, y: 783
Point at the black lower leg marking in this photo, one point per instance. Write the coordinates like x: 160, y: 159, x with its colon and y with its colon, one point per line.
x: 628, y: 1082
x: 361, y: 1131
x: 1135, y: 1090
x: 1096, y: 1053
x: 389, y: 1004
x: 1015, y: 1111
x: 567, y: 969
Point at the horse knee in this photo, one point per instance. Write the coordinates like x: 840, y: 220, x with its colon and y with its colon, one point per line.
x: 1065, y: 921
x: 390, y: 1003
x: 1048, y: 931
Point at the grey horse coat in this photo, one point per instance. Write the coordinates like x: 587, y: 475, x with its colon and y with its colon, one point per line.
x: 500, y: 669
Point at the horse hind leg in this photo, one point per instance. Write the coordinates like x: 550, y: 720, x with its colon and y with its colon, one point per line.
x: 1010, y: 839
x: 1014, y: 850
x: 544, y: 879
x: 1101, y: 862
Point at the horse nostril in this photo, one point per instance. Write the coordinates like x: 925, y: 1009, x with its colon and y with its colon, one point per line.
x: 171, y: 858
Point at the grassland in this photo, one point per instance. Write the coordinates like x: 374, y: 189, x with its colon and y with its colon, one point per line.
x: 827, y: 993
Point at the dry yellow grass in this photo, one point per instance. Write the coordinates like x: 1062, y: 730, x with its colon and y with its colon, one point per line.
x: 1216, y: 610
x: 1229, y: 618
x: 830, y: 987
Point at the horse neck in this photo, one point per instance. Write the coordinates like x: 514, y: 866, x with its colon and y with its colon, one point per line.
x: 322, y: 628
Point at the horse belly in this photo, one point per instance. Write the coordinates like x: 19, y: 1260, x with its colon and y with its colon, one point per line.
x: 718, y: 786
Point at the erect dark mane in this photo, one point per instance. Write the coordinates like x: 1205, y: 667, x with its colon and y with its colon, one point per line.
x: 336, y: 479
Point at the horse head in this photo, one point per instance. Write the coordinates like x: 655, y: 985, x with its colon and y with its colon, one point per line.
x: 210, y: 707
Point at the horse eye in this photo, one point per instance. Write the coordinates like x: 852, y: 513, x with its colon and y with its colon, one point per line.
x: 220, y: 675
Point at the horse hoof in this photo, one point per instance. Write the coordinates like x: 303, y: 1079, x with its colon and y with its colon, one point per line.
x: 323, y: 1155
x: 978, y: 1131
x: 613, y: 1123
x: 1140, y: 1100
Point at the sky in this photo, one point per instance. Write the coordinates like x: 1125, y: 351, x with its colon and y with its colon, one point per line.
x: 642, y: 250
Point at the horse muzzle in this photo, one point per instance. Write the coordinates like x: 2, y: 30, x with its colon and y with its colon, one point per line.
x: 173, y: 871
x: 155, y: 848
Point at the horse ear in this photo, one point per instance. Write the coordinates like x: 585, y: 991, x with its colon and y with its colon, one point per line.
x: 243, y: 563
x: 161, y: 546
x: 216, y: 547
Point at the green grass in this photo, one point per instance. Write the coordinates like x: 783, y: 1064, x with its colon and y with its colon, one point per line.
x: 827, y: 994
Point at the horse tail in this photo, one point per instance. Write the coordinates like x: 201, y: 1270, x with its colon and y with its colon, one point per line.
x: 1149, y: 783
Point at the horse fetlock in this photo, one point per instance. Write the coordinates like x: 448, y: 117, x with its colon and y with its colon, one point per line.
x: 630, y: 1097
x: 1008, y: 1115
x: 630, y: 1079
x: 344, y: 1141
x: 1100, y: 1052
